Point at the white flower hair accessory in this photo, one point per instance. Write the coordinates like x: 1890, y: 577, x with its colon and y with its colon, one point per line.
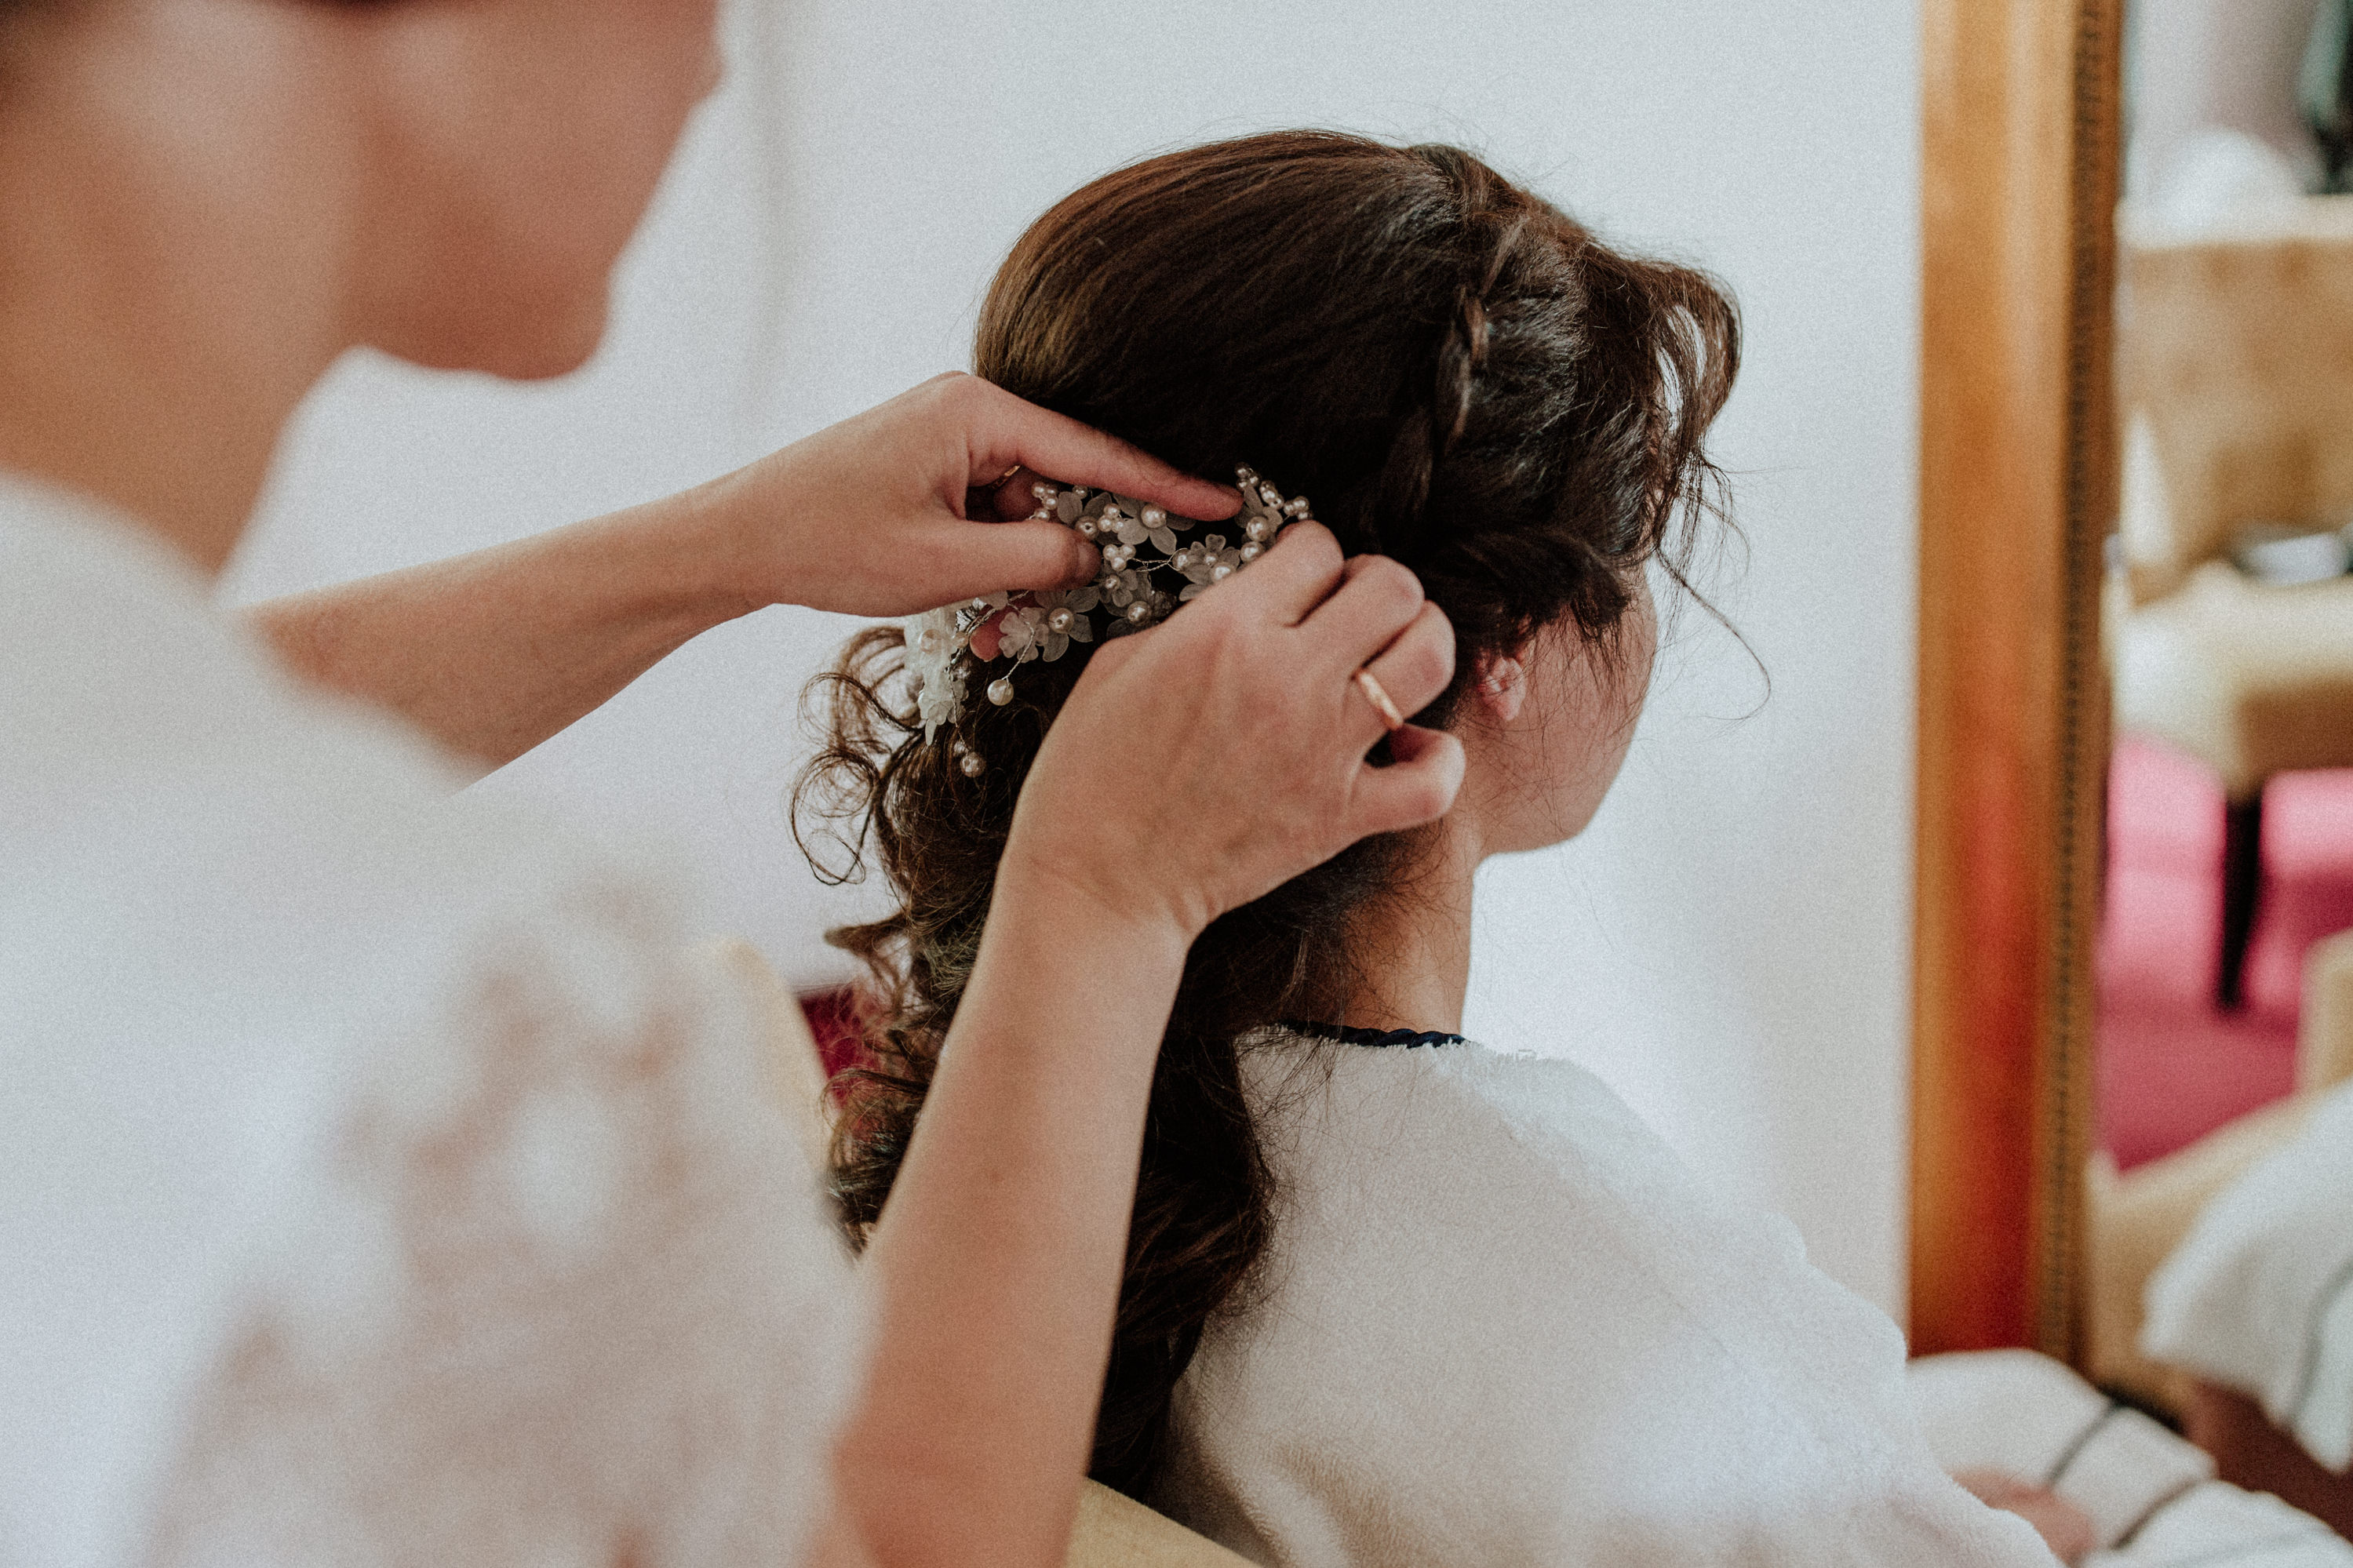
x: 1148, y: 569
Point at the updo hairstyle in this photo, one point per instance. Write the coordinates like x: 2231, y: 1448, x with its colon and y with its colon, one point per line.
x: 1459, y: 375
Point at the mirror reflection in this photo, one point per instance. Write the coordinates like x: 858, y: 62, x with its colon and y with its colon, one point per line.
x: 2220, y: 1184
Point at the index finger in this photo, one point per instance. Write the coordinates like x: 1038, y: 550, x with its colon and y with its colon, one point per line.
x: 1299, y: 571
x: 1012, y: 432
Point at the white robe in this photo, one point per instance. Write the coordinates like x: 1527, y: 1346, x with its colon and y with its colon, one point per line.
x: 1500, y: 1324
x: 2259, y: 1295
x: 379, y: 1184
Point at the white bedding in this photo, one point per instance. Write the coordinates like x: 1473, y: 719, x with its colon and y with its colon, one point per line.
x: 2150, y: 1495
x: 2259, y: 1296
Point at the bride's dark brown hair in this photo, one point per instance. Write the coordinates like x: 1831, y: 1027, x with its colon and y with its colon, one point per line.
x: 1459, y: 375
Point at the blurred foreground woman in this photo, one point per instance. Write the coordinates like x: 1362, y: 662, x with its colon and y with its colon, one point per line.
x: 382, y: 1185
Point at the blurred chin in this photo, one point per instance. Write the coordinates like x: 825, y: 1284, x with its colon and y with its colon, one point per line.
x: 555, y: 353
x: 536, y: 340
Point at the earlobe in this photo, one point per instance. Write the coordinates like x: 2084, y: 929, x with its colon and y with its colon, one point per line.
x: 1503, y: 686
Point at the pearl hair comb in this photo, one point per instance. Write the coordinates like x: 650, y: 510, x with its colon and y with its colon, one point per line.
x: 1136, y: 590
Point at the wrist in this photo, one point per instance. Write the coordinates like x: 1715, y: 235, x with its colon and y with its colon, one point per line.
x: 693, y: 542
x: 1141, y: 922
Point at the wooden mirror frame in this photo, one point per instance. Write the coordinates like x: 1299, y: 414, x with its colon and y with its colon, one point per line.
x: 2019, y: 156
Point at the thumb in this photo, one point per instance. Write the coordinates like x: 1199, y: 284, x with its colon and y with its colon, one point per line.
x: 970, y: 558
x: 1418, y: 787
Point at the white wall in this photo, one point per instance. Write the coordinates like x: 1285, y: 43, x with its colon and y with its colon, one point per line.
x: 2193, y: 65
x: 1728, y: 944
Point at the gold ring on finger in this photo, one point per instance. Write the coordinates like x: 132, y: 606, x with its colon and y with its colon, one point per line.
x: 1379, y: 698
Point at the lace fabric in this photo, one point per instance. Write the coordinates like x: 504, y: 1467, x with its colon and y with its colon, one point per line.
x: 548, y: 1306
x: 386, y: 1184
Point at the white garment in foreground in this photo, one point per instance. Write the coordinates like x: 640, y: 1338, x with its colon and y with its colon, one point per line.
x: 2149, y: 1494
x: 2259, y: 1295
x: 378, y: 1185
x: 1502, y: 1324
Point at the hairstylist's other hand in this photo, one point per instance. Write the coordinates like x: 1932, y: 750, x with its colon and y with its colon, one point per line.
x: 1202, y: 764
x: 904, y: 508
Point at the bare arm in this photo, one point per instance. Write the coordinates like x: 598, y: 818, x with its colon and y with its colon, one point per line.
x: 997, y: 1263
x: 491, y: 653
x: 998, y: 1260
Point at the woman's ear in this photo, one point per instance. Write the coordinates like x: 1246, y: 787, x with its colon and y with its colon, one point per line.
x: 1502, y: 686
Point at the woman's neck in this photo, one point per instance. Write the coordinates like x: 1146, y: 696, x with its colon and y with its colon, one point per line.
x: 171, y: 265
x: 1414, y: 949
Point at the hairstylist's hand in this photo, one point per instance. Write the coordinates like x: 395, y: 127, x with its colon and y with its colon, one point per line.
x: 897, y: 509
x: 1200, y: 765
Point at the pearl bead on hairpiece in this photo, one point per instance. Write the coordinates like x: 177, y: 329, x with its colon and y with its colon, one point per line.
x: 1137, y: 589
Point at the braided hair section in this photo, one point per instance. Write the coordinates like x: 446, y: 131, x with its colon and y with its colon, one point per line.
x: 1559, y: 418
x: 1493, y: 222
